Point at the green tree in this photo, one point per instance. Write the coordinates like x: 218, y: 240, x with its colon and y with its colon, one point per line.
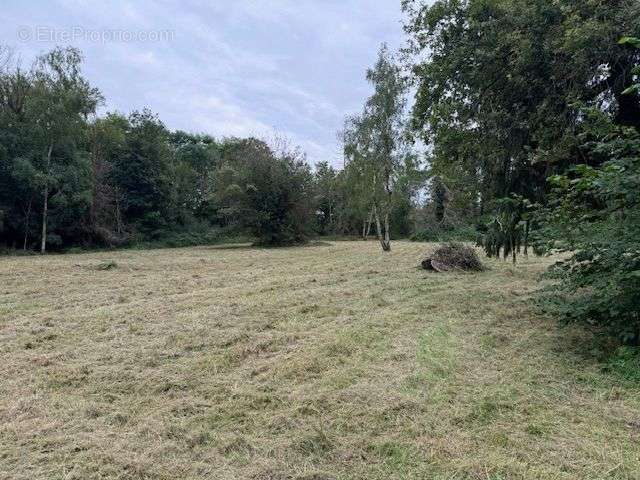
x: 57, y: 107
x: 593, y: 216
x: 376, y: 145
x: 196, y: 159
x: 107, y: 141
x: 502, y: 84
x: 142, y: 173
x: 268, y: 194
x: 18, y: 175
x: 327, y: 198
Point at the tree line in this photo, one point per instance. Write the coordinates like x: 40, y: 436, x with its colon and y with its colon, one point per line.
x: 69, y: 177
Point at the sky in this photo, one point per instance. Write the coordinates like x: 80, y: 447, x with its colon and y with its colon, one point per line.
x: 292, y: 68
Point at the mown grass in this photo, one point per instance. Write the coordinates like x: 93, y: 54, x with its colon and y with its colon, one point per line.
x: 327, y: 362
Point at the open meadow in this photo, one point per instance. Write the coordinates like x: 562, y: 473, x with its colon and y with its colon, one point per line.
x: 332, y: 361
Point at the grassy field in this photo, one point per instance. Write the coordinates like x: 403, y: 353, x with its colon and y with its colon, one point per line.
x: 332, y: 361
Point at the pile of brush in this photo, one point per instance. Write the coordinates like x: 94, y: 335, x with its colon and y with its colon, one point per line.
x: 453, y: 256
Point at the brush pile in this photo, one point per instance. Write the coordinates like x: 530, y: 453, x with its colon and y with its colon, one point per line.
x: 453, y: 256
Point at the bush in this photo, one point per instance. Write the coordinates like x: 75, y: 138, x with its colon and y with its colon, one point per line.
x: 508, y: 230
x: 594, y: 217
x: 192, y: 236
x: 453, y: 256
x: 266, y: 194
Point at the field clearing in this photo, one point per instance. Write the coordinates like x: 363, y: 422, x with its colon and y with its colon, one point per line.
x: 332, y: 361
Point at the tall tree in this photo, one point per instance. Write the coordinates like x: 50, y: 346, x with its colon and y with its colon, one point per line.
x: 196, y: 159
x: 57, y: 108
x: 593, y: 217
x: 107, y: 141
x: 18, y: 175
x: 376, y: 144
x: 502, y: 86
x: 327, y: 197
x: 143, y: 175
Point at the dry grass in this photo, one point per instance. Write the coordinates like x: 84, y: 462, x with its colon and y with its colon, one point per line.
x: 325, y: 362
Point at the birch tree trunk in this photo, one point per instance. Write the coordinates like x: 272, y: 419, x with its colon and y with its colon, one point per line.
x: 117, y: 212
x: 43, y: 244
x: 386, y: 245
x: 367, y: 227
x: 26, y: 224
x: 383, y: 236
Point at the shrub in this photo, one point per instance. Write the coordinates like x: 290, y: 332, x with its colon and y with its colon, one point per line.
x: 508, y: 230
x: 625, y: 364
x: 266, y: 194
x: 594, y: 217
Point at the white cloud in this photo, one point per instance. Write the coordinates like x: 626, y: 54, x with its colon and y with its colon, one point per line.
x: 233, y: 67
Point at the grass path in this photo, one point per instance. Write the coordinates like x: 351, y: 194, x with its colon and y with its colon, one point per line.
x: 325, y: 362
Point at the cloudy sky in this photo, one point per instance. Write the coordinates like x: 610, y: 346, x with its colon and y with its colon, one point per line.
x: 224, y: 67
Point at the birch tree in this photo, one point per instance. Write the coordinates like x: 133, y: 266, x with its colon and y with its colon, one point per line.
x: 376, y: 149
x: 60, y: 103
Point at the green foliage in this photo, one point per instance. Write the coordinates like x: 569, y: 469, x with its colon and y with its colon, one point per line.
x: 381, y: 168
x: 200, y: 233
x: 508, y: 229
x: 512, y: 92
x: 632, y: 41
x: 594, y: 217
x: 502, y: 86
x: 634, y: 89
x: 122, y: 180
x: 328, y: 199
x: 42, y: 131
x: 625, y: 363
x: 441, y: 197
x: 196, y: 157
x: 269, y: 194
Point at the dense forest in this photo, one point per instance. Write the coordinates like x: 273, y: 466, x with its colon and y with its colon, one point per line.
x: 524, y: 130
